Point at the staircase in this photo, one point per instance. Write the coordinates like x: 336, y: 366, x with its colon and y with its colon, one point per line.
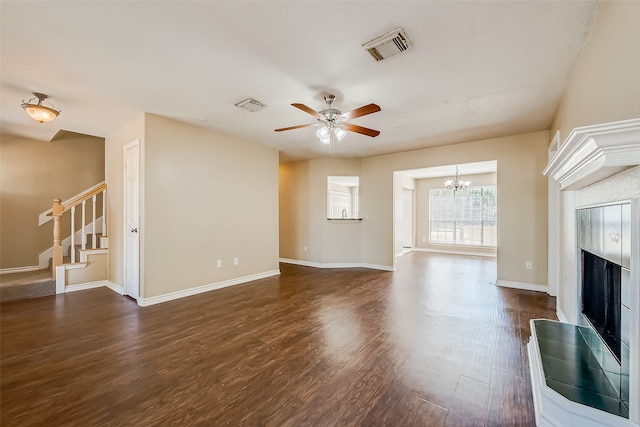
x: 28, y: 284
x: 76, y: 262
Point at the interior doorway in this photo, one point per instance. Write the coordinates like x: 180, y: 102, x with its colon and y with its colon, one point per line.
x: 433, y: 215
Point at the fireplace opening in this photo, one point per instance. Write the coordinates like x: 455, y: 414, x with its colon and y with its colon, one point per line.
x: 601, y: 299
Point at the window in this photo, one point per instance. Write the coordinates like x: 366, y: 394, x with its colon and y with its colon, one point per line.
x: 339, y: 205
x: 463, y: 218
x: 342, y: 197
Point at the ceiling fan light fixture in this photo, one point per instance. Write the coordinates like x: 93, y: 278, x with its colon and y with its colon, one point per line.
x: 40, y: 112
x: 333, y: 124
x: 326, y: 133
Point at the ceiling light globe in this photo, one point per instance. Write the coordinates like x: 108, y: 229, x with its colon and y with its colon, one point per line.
x: 340, y: 133
x: 40, y: 112
x: 323, y: 135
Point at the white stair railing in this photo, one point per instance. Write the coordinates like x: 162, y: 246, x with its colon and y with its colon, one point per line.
x: 59, y: 209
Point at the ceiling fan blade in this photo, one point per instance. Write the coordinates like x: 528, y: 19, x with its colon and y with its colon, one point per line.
x: 362, y: 111
x: 308, y: 110
x: 294, y: 127
x: 359, y: 129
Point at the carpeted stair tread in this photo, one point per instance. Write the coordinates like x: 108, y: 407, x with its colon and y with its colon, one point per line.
x: 29, y: 284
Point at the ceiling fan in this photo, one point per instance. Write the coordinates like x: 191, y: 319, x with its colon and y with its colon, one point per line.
x: 334, y: 123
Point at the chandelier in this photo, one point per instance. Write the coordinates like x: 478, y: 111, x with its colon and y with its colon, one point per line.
x: 456, y: 183
x: 38, y: 111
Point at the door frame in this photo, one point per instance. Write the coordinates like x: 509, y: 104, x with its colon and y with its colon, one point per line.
x: 412, y: 238
x: 125, y: 148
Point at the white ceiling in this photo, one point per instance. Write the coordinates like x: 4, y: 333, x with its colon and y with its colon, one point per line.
x: 477, y: 69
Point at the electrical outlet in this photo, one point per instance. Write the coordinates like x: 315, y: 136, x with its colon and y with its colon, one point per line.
x: 528, y: 265
x: 219, y: 263
x: 305, y: 249
x: 424, y: 239
x: 235, y: 261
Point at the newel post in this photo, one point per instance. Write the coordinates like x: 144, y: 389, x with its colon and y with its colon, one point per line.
x: 57, y: 211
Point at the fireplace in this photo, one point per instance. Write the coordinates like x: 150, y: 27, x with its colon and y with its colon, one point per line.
x: 601, y: 300
x: 595, y: 178
x: 604, y: 236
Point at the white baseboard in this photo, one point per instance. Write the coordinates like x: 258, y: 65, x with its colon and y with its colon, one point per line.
x: 91, y: 285
x: 377, y: 266
x: 561, y: 316
x: 523, y: 286
x: 19, y: 269
x: 84, y: 286
x: 114, y: 287
x: 337, y: 264
x: 456, y: 252
x: 145, y: 302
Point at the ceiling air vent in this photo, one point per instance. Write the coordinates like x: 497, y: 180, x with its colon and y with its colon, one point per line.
x: 250, y: 104
x: 388, y: 44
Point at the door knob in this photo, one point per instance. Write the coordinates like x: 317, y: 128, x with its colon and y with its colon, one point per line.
x: 134, y: 230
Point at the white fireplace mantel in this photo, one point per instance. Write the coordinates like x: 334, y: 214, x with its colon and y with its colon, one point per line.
x: 595, y: 166
x: 593, y: 153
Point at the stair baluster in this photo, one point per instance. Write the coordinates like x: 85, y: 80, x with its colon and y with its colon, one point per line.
x: 72, y: 249
x: 56, y: 211
x: 104, y: 212
x: 83, y: 242
x: 93, y: 223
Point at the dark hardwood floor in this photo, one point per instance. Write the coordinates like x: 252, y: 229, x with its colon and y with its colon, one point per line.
x: 434, y: 343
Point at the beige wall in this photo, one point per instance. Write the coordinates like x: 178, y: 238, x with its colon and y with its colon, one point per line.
x: 522, y: 205
x: 303, y: 202
x: 294, y: 210
x: 422, y: 212
x: 206, y: 197
x: 604, y: 85
x: 96, y: 270
x: 522, y: 200
x: 32, y: 174
x: 114, y: 173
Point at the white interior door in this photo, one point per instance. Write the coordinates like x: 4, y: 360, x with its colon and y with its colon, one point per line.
x: 132, y: 219
x: 407, y: 219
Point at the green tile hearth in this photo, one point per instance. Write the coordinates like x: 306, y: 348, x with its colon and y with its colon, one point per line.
x: 571, y: 369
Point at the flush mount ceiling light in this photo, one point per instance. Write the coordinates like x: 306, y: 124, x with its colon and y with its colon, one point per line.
x: 250, y: 105
x: 456, y: 183
x: 38, y: 111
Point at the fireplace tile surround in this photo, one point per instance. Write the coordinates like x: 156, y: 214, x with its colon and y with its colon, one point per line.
x: 596, y: 167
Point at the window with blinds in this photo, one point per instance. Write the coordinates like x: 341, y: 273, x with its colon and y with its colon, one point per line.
x: 464, y: 218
